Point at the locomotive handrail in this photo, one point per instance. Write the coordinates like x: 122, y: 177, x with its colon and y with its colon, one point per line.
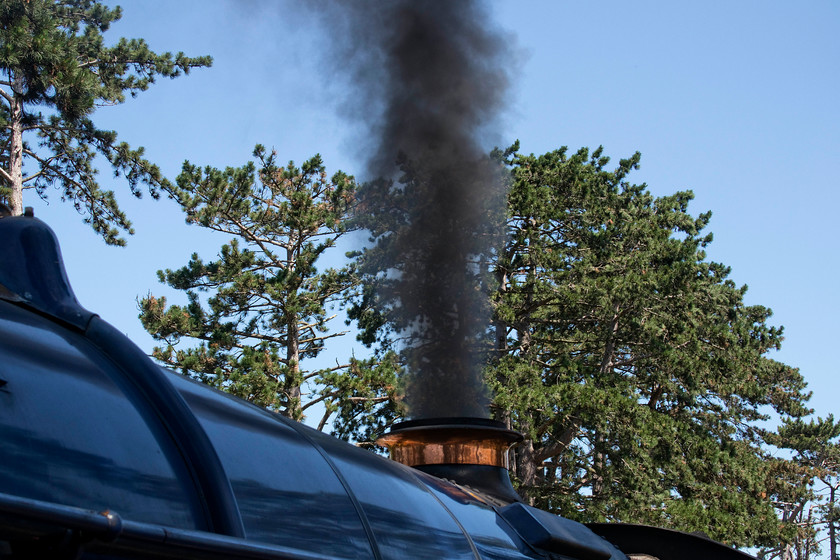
x: 35, y: 521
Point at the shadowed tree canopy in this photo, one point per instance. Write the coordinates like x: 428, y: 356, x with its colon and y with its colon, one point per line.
x: 55, y: 70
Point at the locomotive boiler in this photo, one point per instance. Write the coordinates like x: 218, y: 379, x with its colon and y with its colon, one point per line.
x: 106, y: 455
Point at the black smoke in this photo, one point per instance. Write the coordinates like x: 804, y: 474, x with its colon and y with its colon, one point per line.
x: 428, y: 80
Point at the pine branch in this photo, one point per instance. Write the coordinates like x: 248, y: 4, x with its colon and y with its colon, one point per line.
x: 45, y: 163
x: 324, y: 420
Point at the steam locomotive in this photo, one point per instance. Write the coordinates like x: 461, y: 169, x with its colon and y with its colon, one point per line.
x: 106, y: 455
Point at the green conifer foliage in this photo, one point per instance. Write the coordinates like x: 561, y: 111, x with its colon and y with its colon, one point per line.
x: 806, y: 492
x: 630, y: 362
x: 54, y: 71
x: 256, y: 314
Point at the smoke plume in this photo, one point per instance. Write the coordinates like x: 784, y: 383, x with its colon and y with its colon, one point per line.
x: 428, y: 79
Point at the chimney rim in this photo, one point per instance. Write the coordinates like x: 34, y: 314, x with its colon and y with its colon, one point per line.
x: 492, y: 428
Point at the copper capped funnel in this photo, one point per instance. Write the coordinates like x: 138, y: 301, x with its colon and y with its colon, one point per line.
x: 468, y: 451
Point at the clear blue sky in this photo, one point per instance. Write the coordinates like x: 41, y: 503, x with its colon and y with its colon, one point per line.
x: 737, y: 101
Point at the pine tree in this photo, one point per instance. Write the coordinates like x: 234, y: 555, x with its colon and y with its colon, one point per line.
x: 55, y: 71
x: 256, y: 315
x: 807, y: 489
x: 630, y: 362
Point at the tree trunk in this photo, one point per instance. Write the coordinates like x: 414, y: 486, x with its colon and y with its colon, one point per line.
x: 598, y: 466
x: 607, y: 361
x: 501, y: 350
x: 293, y: 381
x: 832, y: 525
x: 787, y: 553
x: 16, y: 150
x: 526, y: 468
x: 501, y: 328
x: 608, y: 358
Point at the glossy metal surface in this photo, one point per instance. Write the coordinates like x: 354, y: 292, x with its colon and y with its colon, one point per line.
x: 469, y: 451
x: 197, y: 452
x: 493, y: 537
x: 406, y: 518
x: 665, y: 544
x: 287, y: 492
x: 439, y: 441
x: 31, y: 270
x: 74, y: 431
x: 546, y: 531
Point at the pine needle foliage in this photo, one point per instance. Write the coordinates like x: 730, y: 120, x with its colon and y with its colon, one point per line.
x: 806, y: 489
x: 258, y: 314
x: 55, y: 70
x: 631, y: 362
